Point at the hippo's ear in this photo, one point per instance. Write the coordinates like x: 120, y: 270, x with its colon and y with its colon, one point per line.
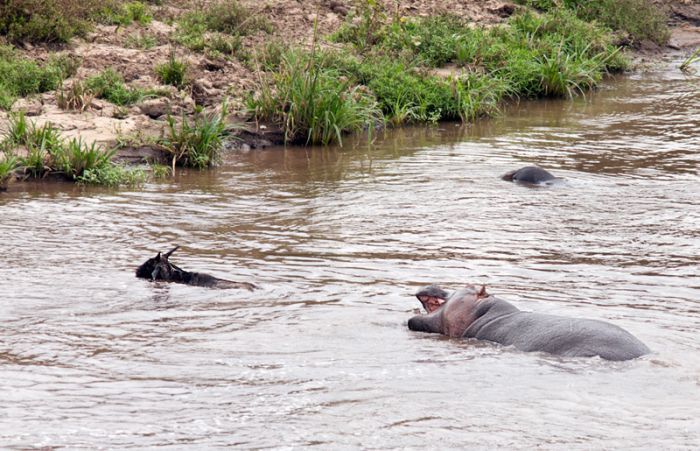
x: 157, y: 257
x: 482, y: 292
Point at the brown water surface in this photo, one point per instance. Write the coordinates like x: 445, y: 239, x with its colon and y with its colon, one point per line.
x: 339, y: 239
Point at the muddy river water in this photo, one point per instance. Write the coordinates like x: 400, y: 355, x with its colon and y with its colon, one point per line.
x: 339, y: 240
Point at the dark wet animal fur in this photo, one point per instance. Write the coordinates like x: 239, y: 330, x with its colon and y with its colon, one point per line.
x: 473, y: 313
x: 529, y: 174
x: 160, y: 268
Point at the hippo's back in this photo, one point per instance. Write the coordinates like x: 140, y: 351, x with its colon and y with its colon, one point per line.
x: 563, y: 336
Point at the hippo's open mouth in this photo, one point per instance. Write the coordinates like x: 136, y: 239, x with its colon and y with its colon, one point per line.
x: 430, y: 303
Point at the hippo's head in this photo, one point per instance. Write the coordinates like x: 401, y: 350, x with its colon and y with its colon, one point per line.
x: 158, y: 267
x: 432, y: 297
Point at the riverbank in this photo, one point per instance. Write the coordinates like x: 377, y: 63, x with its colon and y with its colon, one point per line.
x: 138, y: 80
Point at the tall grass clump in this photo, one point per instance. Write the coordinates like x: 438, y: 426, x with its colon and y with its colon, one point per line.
x: 313, y: 103
x: 197, y: 142
x: 20, y: 77
x: 46, y: 21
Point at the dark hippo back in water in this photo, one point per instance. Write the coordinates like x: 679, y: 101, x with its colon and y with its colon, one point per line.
x: 531, y: 175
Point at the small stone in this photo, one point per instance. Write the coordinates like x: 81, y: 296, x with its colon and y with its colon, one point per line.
x: 155, y: 108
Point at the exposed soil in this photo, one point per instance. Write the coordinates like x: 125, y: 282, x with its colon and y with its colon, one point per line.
x: 214, y: 79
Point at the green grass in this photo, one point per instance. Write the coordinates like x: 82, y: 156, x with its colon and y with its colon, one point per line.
x: 160, y: 171
x: 109, y: 85
x: 173, y: 72
x: 317, y: 96
x: 139, y: 40
x: 126, y: 13
x: 20, y: 77
x: 76, y: 157
x: 47, y: 152
x: 638, y: 19
x: 314, y: 104
x: 694, y: 57
x: 196, y: 142
x: 113, y: 175
x: 218, y: 28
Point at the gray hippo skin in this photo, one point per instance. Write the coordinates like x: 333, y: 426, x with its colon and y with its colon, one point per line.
x: 473, y: 313
x: 529, y: 174
x: 160, y: 268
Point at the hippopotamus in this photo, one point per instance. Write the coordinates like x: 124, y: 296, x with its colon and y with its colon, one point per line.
x: 473, y: 313
x: 160, y: 268
x: 533, y: 175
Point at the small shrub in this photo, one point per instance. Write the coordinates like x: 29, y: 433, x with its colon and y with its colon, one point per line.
x: 173, y: 72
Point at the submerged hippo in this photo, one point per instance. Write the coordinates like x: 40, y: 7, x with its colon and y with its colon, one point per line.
x: 473, y: 313
x: 530, y: 174
x: 159, y: 268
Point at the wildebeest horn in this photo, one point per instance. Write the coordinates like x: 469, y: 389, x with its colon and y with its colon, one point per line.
x: 167, y: 254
